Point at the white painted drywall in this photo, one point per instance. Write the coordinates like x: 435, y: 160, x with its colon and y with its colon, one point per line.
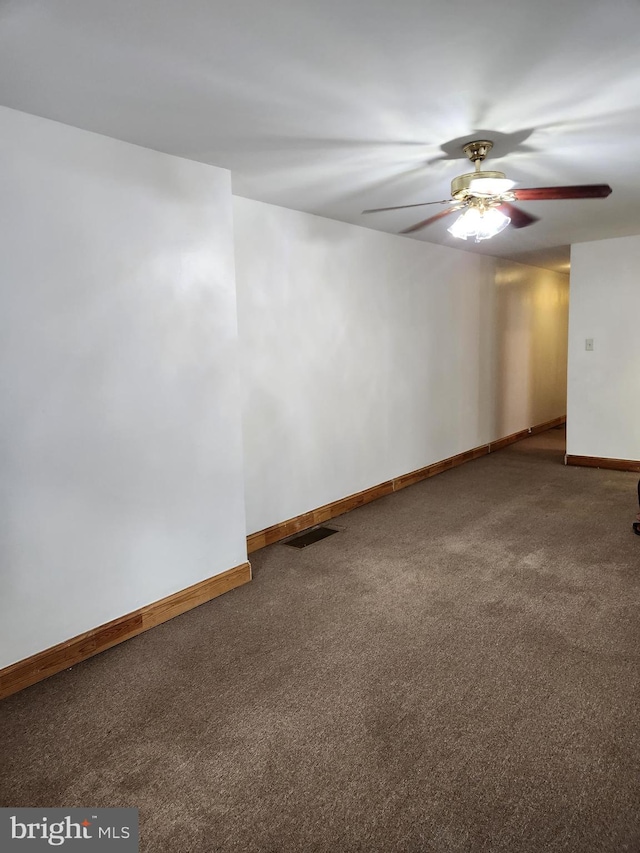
x: 367, y: 355
x: 603, y: 414
x: 121, y: 435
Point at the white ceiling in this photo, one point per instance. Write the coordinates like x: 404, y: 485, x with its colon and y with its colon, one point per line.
x: 333, y: 106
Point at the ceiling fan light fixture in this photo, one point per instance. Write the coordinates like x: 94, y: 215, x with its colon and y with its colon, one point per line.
x: 486, y: 193
x: 478, y: 223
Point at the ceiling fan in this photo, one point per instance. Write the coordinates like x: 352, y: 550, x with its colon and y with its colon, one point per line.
x: 486, y: 198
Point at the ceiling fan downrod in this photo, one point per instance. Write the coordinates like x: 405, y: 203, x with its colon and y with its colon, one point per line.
x: 493, y: 184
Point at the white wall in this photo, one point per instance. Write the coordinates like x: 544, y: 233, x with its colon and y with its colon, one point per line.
x: 603, y: 416
x: 531, y: 316
x: 367, y: 355
x: 120, y: 427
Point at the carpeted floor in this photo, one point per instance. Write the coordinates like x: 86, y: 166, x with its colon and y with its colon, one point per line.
x: 456, y: 670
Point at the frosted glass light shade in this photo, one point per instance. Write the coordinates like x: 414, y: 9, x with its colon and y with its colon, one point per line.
x: 466, y: 225
x: 481, y: 224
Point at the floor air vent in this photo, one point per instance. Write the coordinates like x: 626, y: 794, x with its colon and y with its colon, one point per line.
x: 309, y: 537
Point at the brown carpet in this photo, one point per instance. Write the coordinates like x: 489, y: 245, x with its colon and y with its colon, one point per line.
x: 456, y: 670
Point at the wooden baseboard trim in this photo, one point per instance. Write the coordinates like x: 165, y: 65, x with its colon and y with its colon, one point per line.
x: 554, y: 422
x: 525, y: 433
x: 438, y: 467
x: 36, y: 668
x: 602, y: 462
x: 287, y: 528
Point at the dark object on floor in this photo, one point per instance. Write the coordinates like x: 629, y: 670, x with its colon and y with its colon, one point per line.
x: 310, y: 537
x: 636, y: 527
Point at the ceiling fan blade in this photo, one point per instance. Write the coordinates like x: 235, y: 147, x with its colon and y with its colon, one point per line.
x: 402, y: 206
x: 431, y: 219
x: 519, y: 218
x: 542, y: 193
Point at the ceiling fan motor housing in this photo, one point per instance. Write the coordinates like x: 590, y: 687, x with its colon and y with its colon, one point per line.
x: 460, y: 185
